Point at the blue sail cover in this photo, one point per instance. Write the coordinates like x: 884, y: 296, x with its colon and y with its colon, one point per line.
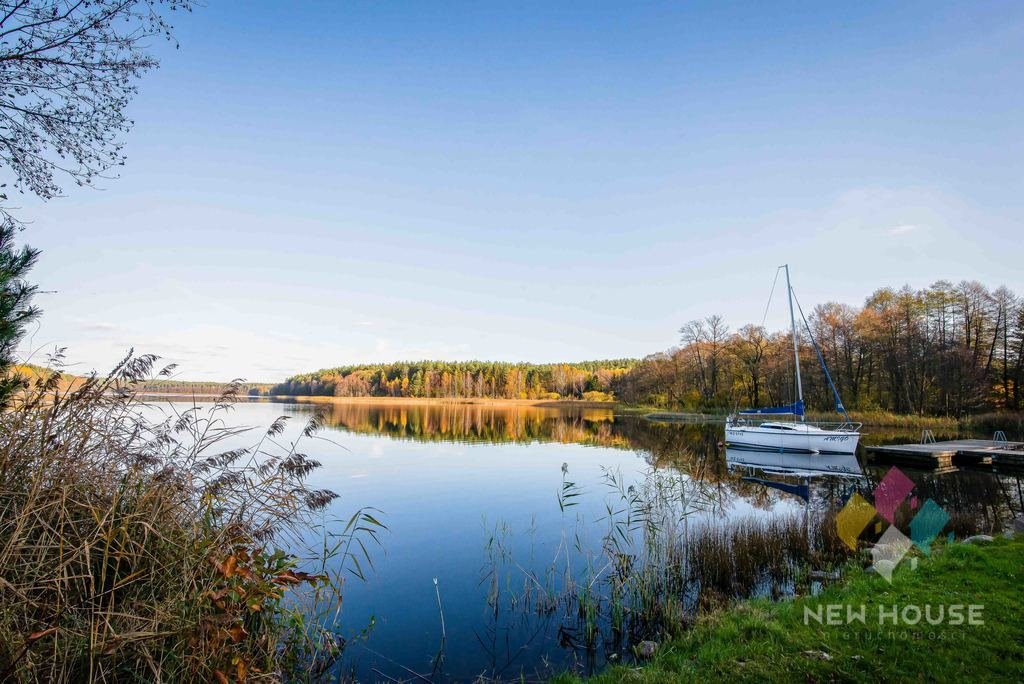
x: 795, y: 409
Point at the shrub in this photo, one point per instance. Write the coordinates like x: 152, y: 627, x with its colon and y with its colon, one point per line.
x: 598, y: 396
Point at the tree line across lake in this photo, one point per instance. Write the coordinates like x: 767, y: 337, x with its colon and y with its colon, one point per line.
x: 594, y: 380
x: 943, y: 350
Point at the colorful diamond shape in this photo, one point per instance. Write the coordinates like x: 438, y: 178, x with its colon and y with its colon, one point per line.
x: 927, y: 524
x: 853, y: 518
x: 891, y: 492
x: 889, y: 551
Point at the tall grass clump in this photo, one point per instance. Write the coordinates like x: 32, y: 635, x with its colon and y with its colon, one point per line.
x: 1011, y: 424
x: 135, y: 548
x: 667, y: 554
x: 766, y: 555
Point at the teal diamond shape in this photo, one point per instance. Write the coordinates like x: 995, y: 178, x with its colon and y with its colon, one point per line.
x: 927, y: 524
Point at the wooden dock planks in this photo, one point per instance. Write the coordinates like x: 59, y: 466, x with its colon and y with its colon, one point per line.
x: 948, y: 453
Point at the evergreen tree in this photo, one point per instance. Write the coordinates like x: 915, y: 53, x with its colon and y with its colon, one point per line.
x: 16, y: 309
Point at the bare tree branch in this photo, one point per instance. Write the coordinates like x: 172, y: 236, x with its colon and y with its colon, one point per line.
x: 68, y: 69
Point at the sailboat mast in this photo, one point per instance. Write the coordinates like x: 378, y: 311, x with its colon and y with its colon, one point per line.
x: 796, y: 349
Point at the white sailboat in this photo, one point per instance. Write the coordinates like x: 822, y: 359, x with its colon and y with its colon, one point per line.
x: 793, y: 436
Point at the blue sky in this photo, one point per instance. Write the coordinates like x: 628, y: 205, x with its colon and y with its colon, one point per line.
x: 312, y: 184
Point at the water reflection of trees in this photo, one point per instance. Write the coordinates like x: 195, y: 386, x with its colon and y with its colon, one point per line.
x: 977, y: 501
x: 484, y: 423
x: 693, y: 449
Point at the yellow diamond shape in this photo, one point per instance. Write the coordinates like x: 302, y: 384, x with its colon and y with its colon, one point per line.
x: 853, y: 518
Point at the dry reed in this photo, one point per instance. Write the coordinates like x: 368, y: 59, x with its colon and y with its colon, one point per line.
x: 141, y: 549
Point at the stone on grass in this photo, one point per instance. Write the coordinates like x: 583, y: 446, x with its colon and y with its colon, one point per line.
x: 978, y: 539
x: 646, y: 649
x: 818, y: 655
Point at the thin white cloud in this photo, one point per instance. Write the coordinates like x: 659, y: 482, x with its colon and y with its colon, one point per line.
x: 905, y: 228
x: 97, y: 326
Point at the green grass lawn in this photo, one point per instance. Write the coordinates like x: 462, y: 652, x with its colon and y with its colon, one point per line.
x: 764, y: 641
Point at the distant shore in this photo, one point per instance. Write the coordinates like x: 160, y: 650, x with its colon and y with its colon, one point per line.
x: 409, y: 401
x: 440, y: 401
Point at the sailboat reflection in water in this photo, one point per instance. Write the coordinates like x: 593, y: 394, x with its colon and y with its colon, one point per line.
x: 795, y: 464
x: 793, y: 436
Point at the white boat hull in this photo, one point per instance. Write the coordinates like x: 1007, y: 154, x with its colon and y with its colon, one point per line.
x: 798, y: 438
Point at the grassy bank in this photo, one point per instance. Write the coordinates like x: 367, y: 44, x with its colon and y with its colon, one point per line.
x: 868, y: 418
x: 764, y: 641
x: 1011, y: 423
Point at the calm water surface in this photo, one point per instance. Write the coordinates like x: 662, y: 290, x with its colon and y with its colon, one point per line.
x: 470, y: 496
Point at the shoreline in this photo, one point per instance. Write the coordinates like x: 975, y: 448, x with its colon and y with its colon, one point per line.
x: 761, y: 640
x: 869, y: 419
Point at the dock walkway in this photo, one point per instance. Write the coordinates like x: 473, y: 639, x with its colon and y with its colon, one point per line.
x: 954, y: 452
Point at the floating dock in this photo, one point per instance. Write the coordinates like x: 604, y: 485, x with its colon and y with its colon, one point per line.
x: 958, y: 452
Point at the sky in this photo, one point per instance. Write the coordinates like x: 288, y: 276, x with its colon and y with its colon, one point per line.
x: 314, y: 184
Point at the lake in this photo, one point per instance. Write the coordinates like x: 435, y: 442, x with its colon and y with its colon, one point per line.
x: 510, y: 509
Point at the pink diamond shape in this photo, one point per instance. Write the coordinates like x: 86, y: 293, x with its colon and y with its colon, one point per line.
x: 891, y: 492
